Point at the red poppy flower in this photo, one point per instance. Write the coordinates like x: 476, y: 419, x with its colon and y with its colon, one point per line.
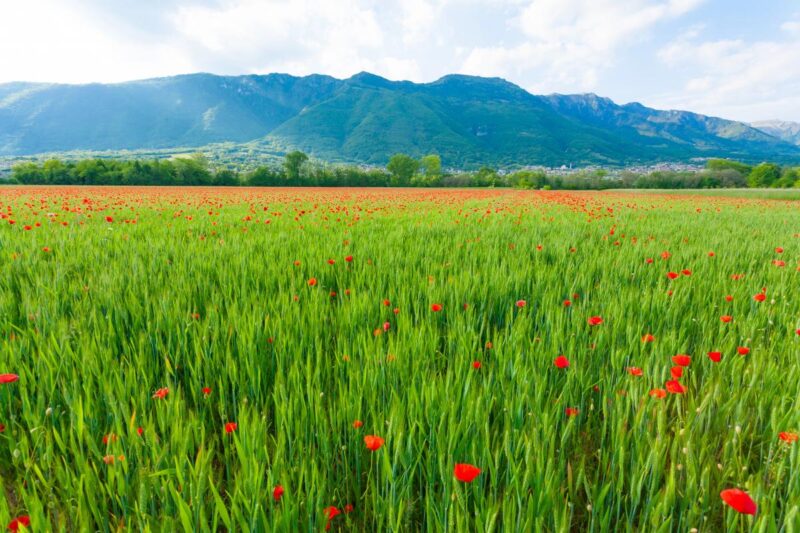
x: 665, y: 255
x: 595, y: 320
x: 634, y: 371
x: 331, y: 512
x: 672, y: 275
x: 109, y: 219
x: 715, y: 356
x: 277, y: 493
x: 647, y: 337
x: 674, y: 387
x: 312, y: 282
x: 742, y: 350
x: 739, y: 500
x: 760, y: 297
x: 436, y: 308
x: 561, y: 362
x: 726, y: 318
x: 788, y: 437
x: 682, y: 360
x: 230, y: 427
x: 140, y: 431
x: 466, y: 472
x: 476, y: 365
x: 8, y: 378
x: 331, y: 261
x: 797, y: 331
x: 161, y: 393
x: 649, y: 260
x: 728, y: 298
x: 571, y: 411
x: 686, y: 272
x: 711, y: 254
x: 521, y: 303
x: 21, y: 521
x: 357, y: 424
x: 676, y: 372
x: 206, y: 391
x: 778, y: 250
x: 349, y: 259
x: 567, y: 303
x: 2, y: 428
x: 658, y: 393
x: 373, y: 442
x: 348, y: 508
x: 386, y: 326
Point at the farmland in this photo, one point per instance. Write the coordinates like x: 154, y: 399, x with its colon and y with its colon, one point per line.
x: 397, y: 360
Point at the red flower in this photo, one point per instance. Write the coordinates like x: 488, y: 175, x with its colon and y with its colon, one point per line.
x: 674, y: 387
x: 386, y: 326
x: 140, y: 431
x: 760, y: 297
x: 348, y: 508
x: 788, y: 437
x: 742, y: 350
x: 726, y: 318
x: 561, y: 362
x: 521, y: 303
x: 739, y: 500
x: 682, y: 360
x: 331, y: 513
x: 778, y: 250
x: 476, y: 365
x: 647, y: 337
x: 22, y: 521
x: 312, y: 282
x: 728, y: 298
x: 396, y: 311
x: 387, y: 303
x: 658, y: 393
x: 634, y: 371
x: 8, y: 378
x: 466, y: 472
x: 206, y: 391
x: 676, y: 372
x: 373, y: 442
x: 672, y: 275
x: 331, y: 261
x: 571, y: 411
x: 357, y: 424
x: 436, y: 308
x: 567, y: 303
x: 2, y: 428
x: 109, y: 219
x: 230, y: 427
x: 595, y: 320
x: 649, y: 260
x: 715, y: 356
x: 161, y: 393
x: 277, y: 493
x: 686, y: 272
x: 349, y: 259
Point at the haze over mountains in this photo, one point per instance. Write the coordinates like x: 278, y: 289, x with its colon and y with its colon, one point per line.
x: 467, y: 120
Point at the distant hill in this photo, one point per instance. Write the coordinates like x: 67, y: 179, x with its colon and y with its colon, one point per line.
x: 784, y: 130
x: 468, y: 120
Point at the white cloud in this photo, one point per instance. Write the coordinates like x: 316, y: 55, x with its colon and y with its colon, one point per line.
x: 747, y: 80
x: 67, y: 45
x: 569, y: 43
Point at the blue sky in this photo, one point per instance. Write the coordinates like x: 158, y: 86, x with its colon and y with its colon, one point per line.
x: 738, y: 59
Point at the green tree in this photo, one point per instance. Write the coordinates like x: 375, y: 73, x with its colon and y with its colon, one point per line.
x: 764, y: 175
x: 292, y: 164
x: 402, y: 167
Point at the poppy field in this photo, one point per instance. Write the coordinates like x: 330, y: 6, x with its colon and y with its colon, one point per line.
x: 197, y: 359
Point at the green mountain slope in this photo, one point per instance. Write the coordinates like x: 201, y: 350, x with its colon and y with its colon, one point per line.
x: 468, y: 120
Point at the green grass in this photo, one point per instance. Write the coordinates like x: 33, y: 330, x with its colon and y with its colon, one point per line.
x: 194, y: 295
x: 755, y: 194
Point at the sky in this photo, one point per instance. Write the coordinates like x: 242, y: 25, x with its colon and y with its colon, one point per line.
x: 738, y: 59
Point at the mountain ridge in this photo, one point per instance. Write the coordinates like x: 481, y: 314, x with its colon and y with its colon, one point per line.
x: 468, y: 120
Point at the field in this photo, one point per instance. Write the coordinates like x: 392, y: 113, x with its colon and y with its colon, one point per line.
x: 224, y: 359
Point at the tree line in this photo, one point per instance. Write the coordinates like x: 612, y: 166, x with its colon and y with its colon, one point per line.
x: 401, y: 171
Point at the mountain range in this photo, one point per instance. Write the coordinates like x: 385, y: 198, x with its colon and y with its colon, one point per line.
x: 469, y: 121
